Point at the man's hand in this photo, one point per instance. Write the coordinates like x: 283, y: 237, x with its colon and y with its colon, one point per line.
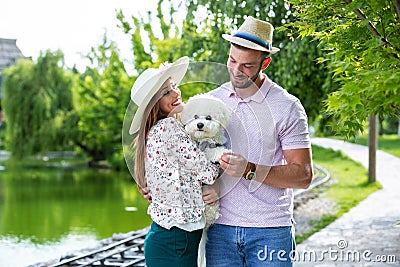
x: 233, y: 164
x: 145, y: 191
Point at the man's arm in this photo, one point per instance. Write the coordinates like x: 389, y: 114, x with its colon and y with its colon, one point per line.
x: 297, y: 173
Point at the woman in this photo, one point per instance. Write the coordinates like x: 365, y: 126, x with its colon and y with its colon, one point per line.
x: 169, y: 163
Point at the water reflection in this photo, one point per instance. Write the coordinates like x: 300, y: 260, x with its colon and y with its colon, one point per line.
x: 62, y: 209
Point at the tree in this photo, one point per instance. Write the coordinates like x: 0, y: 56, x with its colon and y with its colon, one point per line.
x: 101, y: 95
x: 150, y: 50
x: 36, y: 97
x: 363, y: 41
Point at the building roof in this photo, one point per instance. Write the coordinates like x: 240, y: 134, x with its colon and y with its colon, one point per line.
x: 9, y: 52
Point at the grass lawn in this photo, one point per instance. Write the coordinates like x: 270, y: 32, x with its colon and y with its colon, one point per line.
x: 349, y: 188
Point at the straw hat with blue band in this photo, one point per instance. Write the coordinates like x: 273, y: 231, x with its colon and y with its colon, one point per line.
x: 254, y: 34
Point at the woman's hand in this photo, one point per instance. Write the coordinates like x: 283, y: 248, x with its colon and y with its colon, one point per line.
x: 233, y: 164
x: 145, y: 191
x: 210, y: 193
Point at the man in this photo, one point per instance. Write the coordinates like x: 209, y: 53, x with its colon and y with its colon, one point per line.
x: 271, y: 155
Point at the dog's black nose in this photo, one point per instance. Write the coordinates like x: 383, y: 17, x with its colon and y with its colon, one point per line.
x: 200, y: 125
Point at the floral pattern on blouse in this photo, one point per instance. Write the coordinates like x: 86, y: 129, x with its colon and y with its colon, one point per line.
x: 175, y: 169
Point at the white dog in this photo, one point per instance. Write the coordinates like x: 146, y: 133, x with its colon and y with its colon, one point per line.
x: 205, y: 118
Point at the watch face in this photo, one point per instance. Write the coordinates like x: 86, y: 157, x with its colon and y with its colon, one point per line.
x: 250, y: 175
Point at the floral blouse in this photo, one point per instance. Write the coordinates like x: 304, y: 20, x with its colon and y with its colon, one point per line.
x: 175, y: 169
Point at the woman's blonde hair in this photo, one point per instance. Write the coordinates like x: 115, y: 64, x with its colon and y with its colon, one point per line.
x: 152, y: 114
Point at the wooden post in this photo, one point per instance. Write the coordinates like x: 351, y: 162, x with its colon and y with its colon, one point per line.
x: 372, y: 146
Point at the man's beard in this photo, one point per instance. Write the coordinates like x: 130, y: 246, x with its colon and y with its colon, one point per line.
x: 250, y: 80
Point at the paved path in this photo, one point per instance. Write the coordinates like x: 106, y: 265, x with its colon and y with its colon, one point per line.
x: 370, y: 232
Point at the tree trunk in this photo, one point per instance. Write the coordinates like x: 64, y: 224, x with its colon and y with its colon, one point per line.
x: 398, y: 130
x: 372, y: 145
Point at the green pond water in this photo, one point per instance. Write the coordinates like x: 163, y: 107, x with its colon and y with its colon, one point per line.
x: 48, y: 212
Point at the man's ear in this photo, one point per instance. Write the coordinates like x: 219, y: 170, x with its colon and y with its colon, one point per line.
x: 266, y: 63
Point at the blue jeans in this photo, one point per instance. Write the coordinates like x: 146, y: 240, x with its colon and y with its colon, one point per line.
x: 229, y: 246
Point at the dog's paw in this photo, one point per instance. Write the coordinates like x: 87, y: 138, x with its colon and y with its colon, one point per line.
x: 214, y: 154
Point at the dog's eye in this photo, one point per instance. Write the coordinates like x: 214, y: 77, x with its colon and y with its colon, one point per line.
x: 196, y: 117
x: 208, y: 118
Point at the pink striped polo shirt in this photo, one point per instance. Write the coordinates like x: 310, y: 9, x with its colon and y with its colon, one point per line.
x: 262, y: 126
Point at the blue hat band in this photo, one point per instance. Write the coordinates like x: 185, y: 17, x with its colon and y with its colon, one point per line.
x: 253, y: 39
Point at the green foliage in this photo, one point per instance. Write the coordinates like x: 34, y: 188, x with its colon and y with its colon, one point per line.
x: 297, y: 70
x: 36, y: 97
x: 101, y: 97
x: 363, y: 41
x: 389, y: 125
x: 49, y: 109
x: 151, y: 48
x: 199, y: 37
x: 294, y: 67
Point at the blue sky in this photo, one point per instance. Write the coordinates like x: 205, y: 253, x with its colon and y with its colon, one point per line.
x: 74, y: 26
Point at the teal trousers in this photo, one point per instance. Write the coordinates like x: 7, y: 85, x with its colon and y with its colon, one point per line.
x: 171, y: 248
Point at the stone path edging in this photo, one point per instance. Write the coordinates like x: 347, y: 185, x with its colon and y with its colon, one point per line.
x: 367, y: 235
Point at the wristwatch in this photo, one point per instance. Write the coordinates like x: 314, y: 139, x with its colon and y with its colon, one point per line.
x: 250, y: 171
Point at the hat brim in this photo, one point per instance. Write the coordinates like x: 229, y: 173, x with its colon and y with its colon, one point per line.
x: 248, y: 44
x: 176, y: 71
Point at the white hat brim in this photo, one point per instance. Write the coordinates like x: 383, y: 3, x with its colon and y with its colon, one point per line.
x: 248, y: 44
x: 176, y: 71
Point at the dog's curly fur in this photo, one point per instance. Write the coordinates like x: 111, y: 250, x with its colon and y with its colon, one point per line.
x: 205, y: 118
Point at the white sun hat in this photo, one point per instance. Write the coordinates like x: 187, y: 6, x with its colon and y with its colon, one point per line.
x: 149, y: 82
x: 254, y: 34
